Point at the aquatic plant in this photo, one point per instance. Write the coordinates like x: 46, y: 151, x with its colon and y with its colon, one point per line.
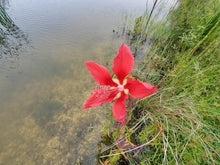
x: 117, y: 90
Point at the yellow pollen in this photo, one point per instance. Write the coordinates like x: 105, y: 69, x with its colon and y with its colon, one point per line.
x: 116, y: 80
x: 126, y: 91
x: 117, y: 96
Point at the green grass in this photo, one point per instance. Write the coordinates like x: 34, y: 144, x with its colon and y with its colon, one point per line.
x: 179, y: 123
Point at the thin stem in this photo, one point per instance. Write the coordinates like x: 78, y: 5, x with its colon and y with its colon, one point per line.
x: 134, y: 148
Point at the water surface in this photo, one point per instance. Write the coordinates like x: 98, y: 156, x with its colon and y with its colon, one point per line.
x: 44, y: 82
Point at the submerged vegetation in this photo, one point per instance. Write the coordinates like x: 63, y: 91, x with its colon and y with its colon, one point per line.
x: 179, y: 124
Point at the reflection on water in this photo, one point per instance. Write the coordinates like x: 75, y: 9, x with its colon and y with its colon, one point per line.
x: 40, y: 117
x: 4, y: 3
x: 12, y: 38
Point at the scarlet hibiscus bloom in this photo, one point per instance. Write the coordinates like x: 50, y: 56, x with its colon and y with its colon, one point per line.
x: 116, y: 90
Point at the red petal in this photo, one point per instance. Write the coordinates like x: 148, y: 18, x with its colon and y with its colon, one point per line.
x: 118, y: 109
x: 100, y: 96
x: 123, y: 63
x: 139, y: 89
x: 100, y: 73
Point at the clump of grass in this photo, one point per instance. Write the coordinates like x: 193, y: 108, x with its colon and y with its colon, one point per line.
x: 180, y: 123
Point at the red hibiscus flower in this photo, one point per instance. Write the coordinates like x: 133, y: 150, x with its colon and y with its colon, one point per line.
x: 117, y: 90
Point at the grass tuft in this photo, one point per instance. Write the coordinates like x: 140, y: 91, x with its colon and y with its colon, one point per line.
x: 179, y: 124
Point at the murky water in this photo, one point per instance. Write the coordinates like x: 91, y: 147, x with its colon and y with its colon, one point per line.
x: 44, y: 82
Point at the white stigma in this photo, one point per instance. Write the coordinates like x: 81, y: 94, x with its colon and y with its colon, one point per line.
x: 120, y: 87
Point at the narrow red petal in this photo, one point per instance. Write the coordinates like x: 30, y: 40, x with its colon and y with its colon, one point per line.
x: 119, y: 109
x: 99, y: 96
x: 123, y: 63
x: 139, y: 89
x: 100, y: 74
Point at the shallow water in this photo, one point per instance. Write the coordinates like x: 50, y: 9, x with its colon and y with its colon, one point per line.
x: 44, y: 82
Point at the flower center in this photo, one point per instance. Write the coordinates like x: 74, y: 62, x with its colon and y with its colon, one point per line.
x: 120, y: 87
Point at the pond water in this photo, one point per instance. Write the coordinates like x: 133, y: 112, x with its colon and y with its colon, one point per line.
x: 44, y: 82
